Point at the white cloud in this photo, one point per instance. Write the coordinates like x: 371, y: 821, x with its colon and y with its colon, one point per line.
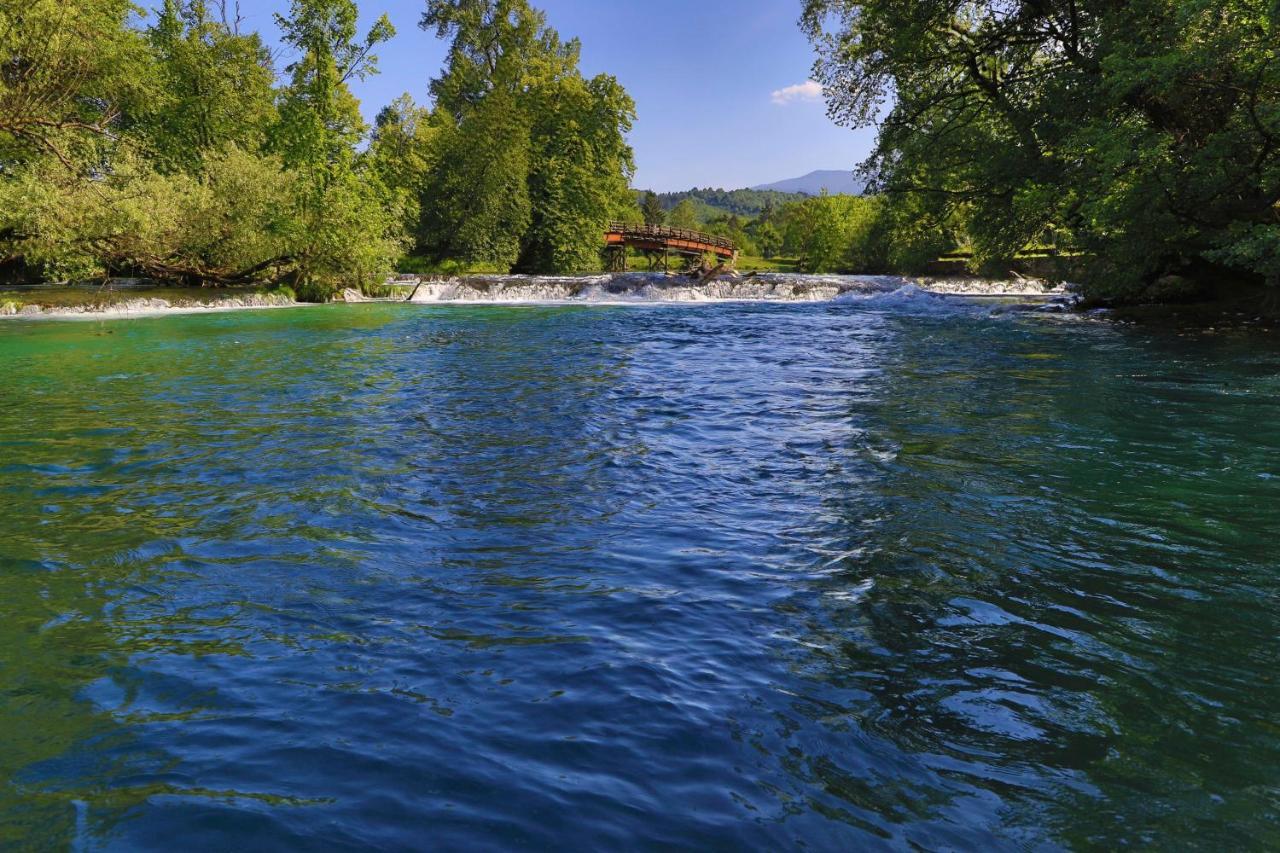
x: 809, y: 90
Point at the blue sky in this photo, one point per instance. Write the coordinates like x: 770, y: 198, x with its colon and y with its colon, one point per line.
x: 703, y: 74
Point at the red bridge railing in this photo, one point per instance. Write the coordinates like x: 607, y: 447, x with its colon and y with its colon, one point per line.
x: 660, y: 233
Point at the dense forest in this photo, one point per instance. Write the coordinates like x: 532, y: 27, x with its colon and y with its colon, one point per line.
x: 1141, y: 136
x: 170, y: 145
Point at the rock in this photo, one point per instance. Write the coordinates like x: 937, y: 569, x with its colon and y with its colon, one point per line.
x: 1172, y: 287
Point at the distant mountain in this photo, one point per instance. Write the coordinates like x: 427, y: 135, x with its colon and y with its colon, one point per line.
x: 834, y: 181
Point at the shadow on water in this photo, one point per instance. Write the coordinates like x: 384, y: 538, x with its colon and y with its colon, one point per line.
x: 735, y: 576
x: 1054, y: 623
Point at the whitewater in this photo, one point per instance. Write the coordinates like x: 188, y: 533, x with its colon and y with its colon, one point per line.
x: 626, y: 288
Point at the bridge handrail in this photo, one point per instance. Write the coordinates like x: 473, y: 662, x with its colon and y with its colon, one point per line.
x: 662, y: 232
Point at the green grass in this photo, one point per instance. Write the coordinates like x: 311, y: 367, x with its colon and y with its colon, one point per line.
x: 747, y: 263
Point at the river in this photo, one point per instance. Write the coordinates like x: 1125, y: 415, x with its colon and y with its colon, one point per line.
x: 855, y: 574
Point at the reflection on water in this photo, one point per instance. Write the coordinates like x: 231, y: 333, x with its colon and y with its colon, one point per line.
x: 739, y: 575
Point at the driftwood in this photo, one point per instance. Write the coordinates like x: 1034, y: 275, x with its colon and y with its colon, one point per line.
x: 706, y: 276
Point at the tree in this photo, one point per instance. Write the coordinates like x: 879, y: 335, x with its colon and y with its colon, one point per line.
x: 837, y: 234
x: 651, y: 209
x: 215, y: 89
x: 580, y: 174
x: 534, y: 161
x: 768, y: 239
x: 683, y: 215
x: 72, y: 70
x: 320, y: 121
x: 349, y: 228
x: 1146, y: 133
x: 403, y: 153
x: 476, y: 207
x: 170, y: 150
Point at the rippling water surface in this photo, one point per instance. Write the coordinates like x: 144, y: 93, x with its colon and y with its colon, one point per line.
x: 862, y: 575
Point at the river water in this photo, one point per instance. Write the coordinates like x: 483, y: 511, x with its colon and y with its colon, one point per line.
x: 869, y: 573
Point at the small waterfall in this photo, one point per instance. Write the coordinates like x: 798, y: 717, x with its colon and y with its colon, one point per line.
x: 660, y: 288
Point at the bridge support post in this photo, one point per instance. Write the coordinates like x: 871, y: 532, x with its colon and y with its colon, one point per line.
x: 616, y: 258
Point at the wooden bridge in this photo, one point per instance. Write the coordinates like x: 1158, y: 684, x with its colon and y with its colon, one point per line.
x: 659, y: 243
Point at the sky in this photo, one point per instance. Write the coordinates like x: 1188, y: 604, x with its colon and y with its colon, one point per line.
x: 722, y: 87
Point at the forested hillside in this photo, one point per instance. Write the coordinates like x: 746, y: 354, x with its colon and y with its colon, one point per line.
x: 709, y: 203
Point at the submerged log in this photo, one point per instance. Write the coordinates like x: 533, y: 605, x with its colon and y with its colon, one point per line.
x: 714, y: 273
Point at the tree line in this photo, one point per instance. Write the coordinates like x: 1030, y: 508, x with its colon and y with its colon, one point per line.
x: 173, y: 146
x: 817, y: 234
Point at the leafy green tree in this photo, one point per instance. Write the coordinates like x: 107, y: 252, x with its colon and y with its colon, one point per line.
x: 534, y: 159
x: 581, y: 170
x: 768, y: 239
x: 215, y: 88
x: 476, y: 208
x: 683, y: 215
x: 73, y: 69
x: 1146, y: 134
x: 350, y: 229
x: 403, y: 153
x: 170, y: 150
x: 651, y: 209
x: 320, y: 121
x: 837, y: 234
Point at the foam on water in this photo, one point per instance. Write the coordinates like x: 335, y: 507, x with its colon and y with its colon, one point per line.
x: 886, y: 291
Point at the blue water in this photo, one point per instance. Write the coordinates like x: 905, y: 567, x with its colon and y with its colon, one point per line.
x: 870, y: 575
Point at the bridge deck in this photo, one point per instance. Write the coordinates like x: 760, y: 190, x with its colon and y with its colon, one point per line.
x: 663, y: 239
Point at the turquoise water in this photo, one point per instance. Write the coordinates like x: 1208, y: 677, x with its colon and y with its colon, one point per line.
x: 863, y: 575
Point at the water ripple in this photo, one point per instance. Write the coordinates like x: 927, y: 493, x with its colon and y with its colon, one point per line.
x: 879, y: 573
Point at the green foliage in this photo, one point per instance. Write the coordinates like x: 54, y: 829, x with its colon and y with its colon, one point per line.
x: 477, y: 207
x: 651, y: 209
x: 837, y: 233
x: 230, y: 223
x: 215, y: 88
x: 403, y: 154
x: 74, y: 69
x: 683, y: 215
x: 532, y: 158
x: 320, y: 119
x: 350, y: 224
x: 768, y: 239
x: 166, y: 147
x: 732, y: 228
x: 169, y: 153
x: 710, y: 203
x: 581, y: 172
x: 1143, y: 134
